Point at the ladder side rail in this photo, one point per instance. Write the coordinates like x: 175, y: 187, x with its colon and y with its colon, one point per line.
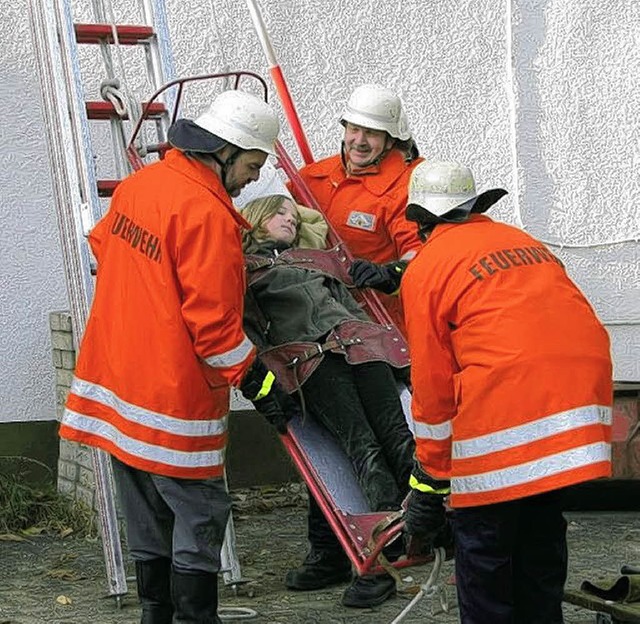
x: 77, y: 206
x: 70, y: 202
x: 105, y: 498
x: 160, y: 63
x: 229, y: 562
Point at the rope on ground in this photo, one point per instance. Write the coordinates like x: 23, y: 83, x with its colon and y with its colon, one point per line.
x: 428, y: 589
x: 236, y: 613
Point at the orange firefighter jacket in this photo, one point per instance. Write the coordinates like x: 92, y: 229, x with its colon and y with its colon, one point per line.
x: 164, y: 339
x: 511, y: 369
x: 367, y: 210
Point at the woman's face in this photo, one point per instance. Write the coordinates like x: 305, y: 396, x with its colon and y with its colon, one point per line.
x: 283, y: 226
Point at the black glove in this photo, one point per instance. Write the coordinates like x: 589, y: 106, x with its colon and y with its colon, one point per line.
x: 425, y: 518
x: 383, y: 277
x: 268, y: 397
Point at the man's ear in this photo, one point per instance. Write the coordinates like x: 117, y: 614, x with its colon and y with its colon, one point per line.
x: 225, y: 152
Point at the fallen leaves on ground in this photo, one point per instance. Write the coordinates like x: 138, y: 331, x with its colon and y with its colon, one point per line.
x: 267, y: 498
x: 11, y: 537
x: 64, y: 574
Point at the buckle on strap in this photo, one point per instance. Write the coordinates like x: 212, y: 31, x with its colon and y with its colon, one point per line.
x: 335, y: 343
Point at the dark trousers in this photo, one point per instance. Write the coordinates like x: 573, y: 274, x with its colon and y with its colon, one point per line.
x: 511, y: 561
x: 360, y: 406
x: 181, y: 520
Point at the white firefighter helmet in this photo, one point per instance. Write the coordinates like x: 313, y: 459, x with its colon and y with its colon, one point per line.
x: 243, y: 120
x: 446, y: 192
x: 378, y: 108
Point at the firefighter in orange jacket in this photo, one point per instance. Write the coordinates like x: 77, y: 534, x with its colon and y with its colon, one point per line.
x: 363, y: 190
x: 164, y: 343
x: 363, y: 194
x: 512, y: 396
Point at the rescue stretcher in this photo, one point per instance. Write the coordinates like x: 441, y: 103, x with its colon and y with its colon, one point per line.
x: 316, y: 454
x: 322, y: 464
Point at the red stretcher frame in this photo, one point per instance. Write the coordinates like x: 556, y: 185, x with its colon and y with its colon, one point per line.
x: 362, y: 534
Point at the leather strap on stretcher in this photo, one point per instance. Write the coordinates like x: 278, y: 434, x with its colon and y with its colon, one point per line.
x: 333, y: 262
x: 359, y: 341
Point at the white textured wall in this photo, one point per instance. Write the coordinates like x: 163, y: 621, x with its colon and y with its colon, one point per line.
x: 31, y: 280
x: 577, y: 143
x: 538, y: 96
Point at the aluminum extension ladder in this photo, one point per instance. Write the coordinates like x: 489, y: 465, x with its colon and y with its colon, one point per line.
x: 72, y: 123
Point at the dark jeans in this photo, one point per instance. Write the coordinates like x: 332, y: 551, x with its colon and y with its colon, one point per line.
x: 511, y: 561
x: 360, y: 405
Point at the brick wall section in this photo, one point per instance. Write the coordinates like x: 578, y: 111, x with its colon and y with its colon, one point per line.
x: 75, y: 468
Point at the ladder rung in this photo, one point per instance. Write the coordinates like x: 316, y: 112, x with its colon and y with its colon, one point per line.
x: 106, y: 110
x: 107, y: 187
x: 102, y: 33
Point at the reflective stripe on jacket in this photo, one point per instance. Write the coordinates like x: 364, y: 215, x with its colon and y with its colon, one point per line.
x: 164, y: 339
x: 368, y: 211
x: 511, y: 370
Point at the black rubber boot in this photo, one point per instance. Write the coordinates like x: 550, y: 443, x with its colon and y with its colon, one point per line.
x: 195, y: 597
x: 320, y: 569
x: 326, y: 564
x: 153, y: 578
x: 369, y: 591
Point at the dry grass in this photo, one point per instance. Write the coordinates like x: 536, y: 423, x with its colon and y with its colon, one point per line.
x: 29, y: 508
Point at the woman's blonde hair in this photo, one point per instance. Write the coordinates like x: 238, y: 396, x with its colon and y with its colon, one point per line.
x: 257, y: 213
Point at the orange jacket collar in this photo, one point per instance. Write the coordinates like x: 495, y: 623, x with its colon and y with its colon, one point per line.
x: 204, y: 176
x: 390, y: 169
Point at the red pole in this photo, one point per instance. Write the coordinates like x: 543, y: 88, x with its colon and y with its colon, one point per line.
x: 377, y: 309
x: 280, y: 83
x: 291, y: 114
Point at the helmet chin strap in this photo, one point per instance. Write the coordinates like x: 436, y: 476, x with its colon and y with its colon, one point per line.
x: 225, y: 165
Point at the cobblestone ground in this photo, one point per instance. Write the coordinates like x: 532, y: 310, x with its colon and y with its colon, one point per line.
x: 48, y: 580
